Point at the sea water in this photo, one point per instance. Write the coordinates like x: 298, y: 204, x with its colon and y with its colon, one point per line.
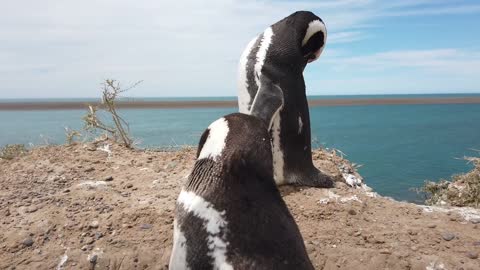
x: 399, y: 146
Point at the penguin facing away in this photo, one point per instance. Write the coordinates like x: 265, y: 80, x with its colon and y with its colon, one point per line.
x: 276, y: 59
x: 230, y: 214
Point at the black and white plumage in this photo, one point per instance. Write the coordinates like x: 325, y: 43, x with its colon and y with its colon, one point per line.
x: 276, y: 60
x: 230, y: 214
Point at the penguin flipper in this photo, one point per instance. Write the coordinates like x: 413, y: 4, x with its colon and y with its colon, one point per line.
x: 268, y: 101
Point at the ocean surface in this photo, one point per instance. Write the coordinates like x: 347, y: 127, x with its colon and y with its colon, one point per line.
x: 399, y: 146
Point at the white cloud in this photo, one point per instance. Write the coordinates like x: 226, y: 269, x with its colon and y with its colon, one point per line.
x: 402, y: 71
x: 436, y: 61
x: 179, y: 48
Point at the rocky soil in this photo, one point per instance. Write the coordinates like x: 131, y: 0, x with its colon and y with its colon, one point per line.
x: 107, y: 207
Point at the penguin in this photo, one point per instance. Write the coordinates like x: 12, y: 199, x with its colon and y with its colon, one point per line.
x: 276, y: 59
x: 229, y: 213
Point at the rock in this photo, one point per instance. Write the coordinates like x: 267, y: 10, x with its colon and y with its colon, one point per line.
x: 28, y: 242
x: 432, y: 226
x: 89, y: 240
x: 129, y: 186
x: 385, y: 251
x: 145, y: 226
x: 98, y: 235
x: 66, y: 190
x: 447, y: 236
x: 108, y: 178
x: 472, y: 255
x: 94, y: 224
x: 89, y: 169
x: 475, y: 220
x: 352, y: 212
x: 92, y: 258
x: 91, y: 147
x: 378, y: 240
x: 31, y: 209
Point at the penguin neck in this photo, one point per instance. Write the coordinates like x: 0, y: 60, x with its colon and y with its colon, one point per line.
x: 206, y: 174
x: 209, y: 175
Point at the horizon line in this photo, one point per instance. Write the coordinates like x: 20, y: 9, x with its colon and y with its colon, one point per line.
x: 213, y: 96
x: 78, y: 105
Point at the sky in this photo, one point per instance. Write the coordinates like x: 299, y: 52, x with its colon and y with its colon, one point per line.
x: 66, y: 48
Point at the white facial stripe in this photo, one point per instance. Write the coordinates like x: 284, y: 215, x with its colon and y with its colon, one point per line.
x: 178, y: 259
x: 278, y: 162
x: 243, y: 95
x: 262, y: 53
x: 314, y: 27
x: 300, y: 125
x: 214, y: 222
x: 215, y: 142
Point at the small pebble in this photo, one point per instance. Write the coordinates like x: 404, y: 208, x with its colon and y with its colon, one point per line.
x: 145, y: 226
x: 431, y: 226
x: 385, y: 251
x: 352, y: 212
x: 94, y: 224
x: 89, y: 240
x: 129, y: 186
x: 93, y: 258
x: 448, y: 236
x: 472, y: 255
x: 31, y: 209
x: 28, y: 242
x: 108, y: 179
x: 98, y: 235
x: 475, y: 221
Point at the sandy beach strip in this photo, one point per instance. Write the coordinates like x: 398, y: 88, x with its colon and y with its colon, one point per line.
x: 76, y: 105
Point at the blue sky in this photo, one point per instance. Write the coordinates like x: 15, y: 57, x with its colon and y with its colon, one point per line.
x: 58, y: 48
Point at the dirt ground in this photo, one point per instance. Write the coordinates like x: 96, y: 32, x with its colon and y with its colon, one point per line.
x: 79, y: 207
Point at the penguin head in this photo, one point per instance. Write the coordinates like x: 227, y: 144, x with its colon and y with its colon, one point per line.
x: 311, y: 34
x: 237, y: 141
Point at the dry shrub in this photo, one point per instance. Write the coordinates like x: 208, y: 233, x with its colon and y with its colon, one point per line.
x: 119, y: 130
x: 11, y: 151
x: 461, y: 190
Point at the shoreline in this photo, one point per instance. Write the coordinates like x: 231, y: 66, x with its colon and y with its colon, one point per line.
x: 76, y: 105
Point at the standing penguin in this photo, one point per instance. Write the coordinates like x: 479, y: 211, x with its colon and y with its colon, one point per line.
x: 230, y: 214
x: 275, y: 60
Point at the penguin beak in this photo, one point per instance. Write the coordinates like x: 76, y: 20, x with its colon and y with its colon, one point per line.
x: 310, y: 57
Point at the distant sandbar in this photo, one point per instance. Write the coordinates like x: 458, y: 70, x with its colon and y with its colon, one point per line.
x: 76, y: 105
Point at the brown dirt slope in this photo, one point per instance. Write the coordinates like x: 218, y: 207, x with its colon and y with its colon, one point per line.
x: 76, y: 207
